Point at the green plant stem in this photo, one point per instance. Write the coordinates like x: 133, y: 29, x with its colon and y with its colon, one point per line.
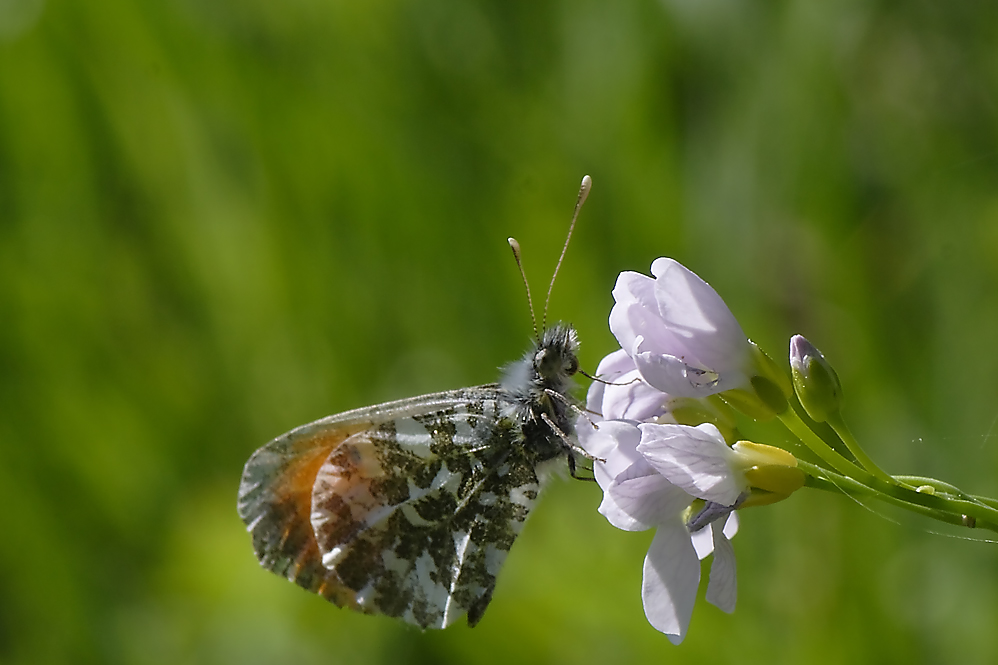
x: 986, y: 500
x: 829, y: 436
x: 821, y: 478
x: 946, y: 488
x: 836, y: 422
x: 956, y: 506
x: 793, y: 422
x: 979, y: 510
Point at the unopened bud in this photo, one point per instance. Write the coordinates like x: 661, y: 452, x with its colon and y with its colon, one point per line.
x: 749, y: 403
x: 766, y: 368
x: 816, y: 383
x: 770, y: 472
x: 693, y: 411
x: 769, y: 388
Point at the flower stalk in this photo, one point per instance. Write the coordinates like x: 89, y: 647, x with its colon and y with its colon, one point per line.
x: 823, y: 479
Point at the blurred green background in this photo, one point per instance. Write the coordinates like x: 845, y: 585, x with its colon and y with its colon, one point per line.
x: 220, y: 219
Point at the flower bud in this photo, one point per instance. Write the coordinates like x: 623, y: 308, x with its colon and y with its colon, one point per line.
x: 770, y: 472
x: 766, y: 369
x: 749, y: 403
x: 692, y: 411
x: 767, y: 392
x: 815, y: 381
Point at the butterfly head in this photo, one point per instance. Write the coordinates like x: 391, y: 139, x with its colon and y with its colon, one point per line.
x: 555, y: 360
x: 548, y: 365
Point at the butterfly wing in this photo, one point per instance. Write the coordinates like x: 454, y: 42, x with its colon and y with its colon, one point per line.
x: 406, y: 509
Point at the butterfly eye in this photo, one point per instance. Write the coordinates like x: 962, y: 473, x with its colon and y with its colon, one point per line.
x: 573, y: 365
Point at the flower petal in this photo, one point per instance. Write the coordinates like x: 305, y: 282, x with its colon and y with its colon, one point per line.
x: 670, y: 580
x: 615, y: 442
x: 635, y: 495
x: 614, y: 364
x: 634, y: 298
x: 643, y: 497
x: 689, y: 306
x: 695, y: 458
x: 619, y: 517
x: 703, y: 542
x: 610, y: 368
x: 671, y: 375
x: 703, y: 539
x: 633, y: 399
x: 707, y: 335
x: 722, y: 585
x: 634, y: 287
x: 731, y: 526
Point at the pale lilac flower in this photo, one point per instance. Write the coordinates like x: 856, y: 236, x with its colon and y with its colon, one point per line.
x: 680, y: 344
x: 682, y: 338
x: 621, y: 394
x: 638, y: 496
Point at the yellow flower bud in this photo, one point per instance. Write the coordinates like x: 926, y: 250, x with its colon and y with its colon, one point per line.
x: 771, y: 473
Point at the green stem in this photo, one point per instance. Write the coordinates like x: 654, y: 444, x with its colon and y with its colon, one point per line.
x: 893, y: 488
x: 946, y: 488
x: 820, y: 478
x: 978, y: 510
x: 829, y: 436
x: 840, y: 427
x: 986, y: 500
x: 793, y: 422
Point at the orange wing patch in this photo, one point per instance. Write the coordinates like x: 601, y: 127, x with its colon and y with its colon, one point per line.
x: 275, y: 501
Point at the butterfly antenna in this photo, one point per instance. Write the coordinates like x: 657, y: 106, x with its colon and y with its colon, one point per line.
x: 587, y: 184
x: 515, y: 246
x: 609, y: 383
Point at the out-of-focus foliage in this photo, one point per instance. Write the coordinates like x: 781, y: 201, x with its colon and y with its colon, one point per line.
x: 220, y: 219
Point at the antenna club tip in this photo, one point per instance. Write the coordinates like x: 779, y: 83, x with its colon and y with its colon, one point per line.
x: 513, y: 243
x: 587, y: 184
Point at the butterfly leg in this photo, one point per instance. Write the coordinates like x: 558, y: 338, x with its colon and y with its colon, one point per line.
x: 567, y: 402
x: 572, y: 468
x: 572, y: 448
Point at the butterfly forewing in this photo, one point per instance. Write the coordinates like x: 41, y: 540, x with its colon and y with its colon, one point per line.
x: 406, y: 509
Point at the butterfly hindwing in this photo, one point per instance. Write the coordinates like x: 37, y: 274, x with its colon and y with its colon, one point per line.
x: 406, y: 509
x: 275, y: 499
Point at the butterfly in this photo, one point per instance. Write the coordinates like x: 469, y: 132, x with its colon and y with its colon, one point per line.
x: 409, y: 508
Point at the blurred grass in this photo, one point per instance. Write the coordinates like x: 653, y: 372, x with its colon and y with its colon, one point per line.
x: 221, y: 219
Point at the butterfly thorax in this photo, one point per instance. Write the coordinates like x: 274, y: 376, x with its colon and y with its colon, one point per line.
x: 538, y: 384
